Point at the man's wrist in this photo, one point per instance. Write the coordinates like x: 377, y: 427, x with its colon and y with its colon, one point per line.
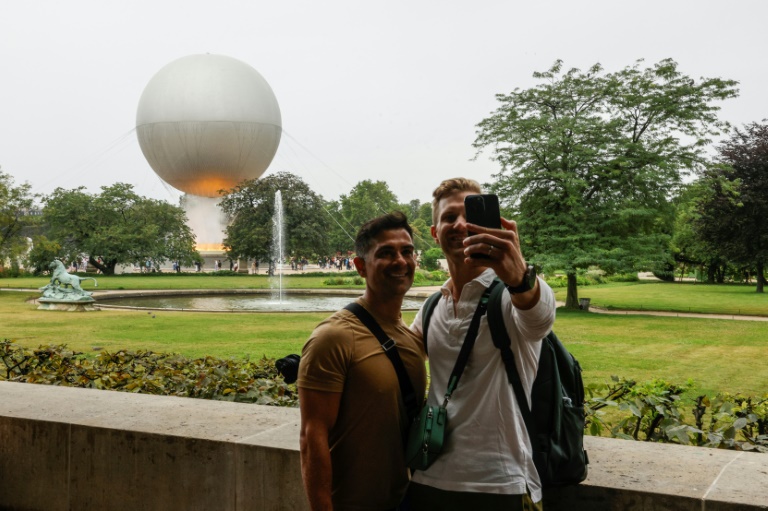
x: 528, y: 282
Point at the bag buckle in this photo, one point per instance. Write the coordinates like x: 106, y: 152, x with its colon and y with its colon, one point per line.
x: 388, y: 345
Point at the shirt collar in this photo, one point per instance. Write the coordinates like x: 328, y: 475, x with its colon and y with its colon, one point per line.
x: 484, y: 280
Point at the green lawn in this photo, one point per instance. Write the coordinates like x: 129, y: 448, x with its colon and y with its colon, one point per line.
x: 182, y: 281
x: 719, y: 355
x: 679, y: 297
x: 192, y: 334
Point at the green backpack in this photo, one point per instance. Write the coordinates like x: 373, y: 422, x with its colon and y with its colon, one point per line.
x: 556, y: 422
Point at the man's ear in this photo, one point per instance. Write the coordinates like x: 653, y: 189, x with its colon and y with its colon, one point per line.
x: 359, y: 263
x: 433, y: 231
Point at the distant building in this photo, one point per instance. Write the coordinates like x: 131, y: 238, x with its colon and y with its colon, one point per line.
x: 31, y: 212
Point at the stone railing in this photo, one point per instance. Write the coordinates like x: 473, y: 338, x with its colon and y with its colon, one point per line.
x: 78, y: 449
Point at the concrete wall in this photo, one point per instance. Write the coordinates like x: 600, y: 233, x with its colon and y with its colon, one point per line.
x: 78, y: 449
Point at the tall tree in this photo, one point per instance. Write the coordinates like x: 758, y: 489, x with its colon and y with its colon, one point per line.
x: 15, y: 203
x: 251, y: 208
x: 341, y: 237
x: 366, y: 200
x: 589, y: 161
x: 688, y: 246
x: 425, y: 213
x: 42, y: 253
x: 117, y: 226
x: 733, y: 217
x: 411, y: 209
x: 422, y: 237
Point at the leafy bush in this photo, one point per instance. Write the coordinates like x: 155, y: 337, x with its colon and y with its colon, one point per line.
x: 149, y: 373
x: 357, y: 280
x: 622, y: 277
x: 736, y: 422
x: 436, y: 277
x: 430, y: 257
x: 649, y: 411
x: 420, y: 277
x: 562, y: 281
x: 13, y: 271
x: 591, y: 278
x: 654, y: 414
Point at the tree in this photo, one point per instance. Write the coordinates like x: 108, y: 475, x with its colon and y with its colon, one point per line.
x: 422, y: 236
x: 688, y: 246
x: 42, y: 253
x: 425, y: 213
x: 15, y: 203
x: 117, y: 226
x: 251, y: 206
x: 429, y: 260
x: 733, y: 216
x: 411, y: 209
x: 366, y: 200
x: 341, y: 237
x: 589, y: 161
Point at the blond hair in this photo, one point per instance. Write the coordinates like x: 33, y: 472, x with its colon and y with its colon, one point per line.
x: 449, y: 187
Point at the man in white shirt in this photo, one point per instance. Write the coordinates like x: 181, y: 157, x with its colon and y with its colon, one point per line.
x: 486, y: 462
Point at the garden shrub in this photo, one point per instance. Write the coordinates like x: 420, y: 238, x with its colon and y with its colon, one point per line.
x: 622, y: 277
x: 429, y: 258
x: 649, y: 411
x: 436, y: 277
x: 653, y: 413
x: 590, y: 278
x: 166, y: 374
x: 357, y: 280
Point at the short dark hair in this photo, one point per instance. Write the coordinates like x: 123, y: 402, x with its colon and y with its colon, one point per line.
x: 372, y: 228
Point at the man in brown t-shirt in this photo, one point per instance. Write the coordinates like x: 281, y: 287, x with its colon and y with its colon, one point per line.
x: 352, y: 413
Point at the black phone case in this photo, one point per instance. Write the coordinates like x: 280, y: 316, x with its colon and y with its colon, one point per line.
x: 483, y: 210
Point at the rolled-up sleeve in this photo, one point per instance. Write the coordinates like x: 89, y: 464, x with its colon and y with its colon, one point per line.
x: 535, y: 323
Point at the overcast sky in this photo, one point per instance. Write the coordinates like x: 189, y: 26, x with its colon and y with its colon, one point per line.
x: 368, y: 90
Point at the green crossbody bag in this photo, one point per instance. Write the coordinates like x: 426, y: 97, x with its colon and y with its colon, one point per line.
x: 426, y: 435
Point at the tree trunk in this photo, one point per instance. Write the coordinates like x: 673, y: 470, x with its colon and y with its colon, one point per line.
x: 711, y: 270
x: 105, y: 267
x: 760, y: 277
x: 572, y: 297
x: 102, y: 267
x: 721, y: 274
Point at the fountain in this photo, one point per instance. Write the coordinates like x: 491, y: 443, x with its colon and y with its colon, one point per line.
x: 249, y: 300
x: 278, y: 245
x: 241, y: 301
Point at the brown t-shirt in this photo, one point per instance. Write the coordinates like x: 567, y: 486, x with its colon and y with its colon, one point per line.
x: 342, y: 355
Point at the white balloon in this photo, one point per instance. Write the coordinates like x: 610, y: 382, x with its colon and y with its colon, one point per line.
x: 207, y: 122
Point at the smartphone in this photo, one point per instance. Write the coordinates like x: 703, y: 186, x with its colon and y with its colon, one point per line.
x: 482, y: 210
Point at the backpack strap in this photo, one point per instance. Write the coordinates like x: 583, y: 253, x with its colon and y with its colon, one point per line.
x: 469, y: 341
x: 426, y: 316
x: 503, y: 343
x: 389, y: 345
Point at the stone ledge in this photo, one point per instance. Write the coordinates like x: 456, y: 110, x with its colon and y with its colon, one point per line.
x: 66, y: 448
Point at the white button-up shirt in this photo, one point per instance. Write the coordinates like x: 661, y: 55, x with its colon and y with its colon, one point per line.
x: 487, y: 448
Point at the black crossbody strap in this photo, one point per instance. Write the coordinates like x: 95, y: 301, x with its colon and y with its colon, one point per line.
x: 503, y: 343
x: 389, y: 345
x: 469, y: 341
